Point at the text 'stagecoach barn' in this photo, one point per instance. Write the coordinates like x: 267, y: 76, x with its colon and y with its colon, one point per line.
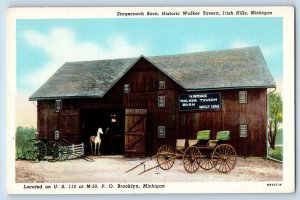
x: 150, y: 101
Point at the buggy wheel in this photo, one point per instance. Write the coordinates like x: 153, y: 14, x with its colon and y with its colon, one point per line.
x: 191, y: 159
x: 224, y: 158
x: 165, y: 157
x: 34, y: 150
x: 63, y: 153
x: 53, y: 150
x: 206, y: 162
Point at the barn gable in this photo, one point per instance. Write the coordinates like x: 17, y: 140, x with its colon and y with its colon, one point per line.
x: 226, y: 69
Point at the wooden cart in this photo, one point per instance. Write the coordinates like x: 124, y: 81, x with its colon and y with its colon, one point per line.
x: 209, y: 154
x: 165, y: 157
x: 202, y: 152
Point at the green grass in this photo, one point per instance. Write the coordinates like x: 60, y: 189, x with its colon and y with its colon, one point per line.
x: 276, y: 153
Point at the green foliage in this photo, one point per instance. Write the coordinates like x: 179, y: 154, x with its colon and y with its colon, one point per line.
x: 22, y: 135
x: 275, y: 107
x: 276, y: 153
x: 274, y: 116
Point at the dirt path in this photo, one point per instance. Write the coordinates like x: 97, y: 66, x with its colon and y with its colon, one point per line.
x: 112, y: 169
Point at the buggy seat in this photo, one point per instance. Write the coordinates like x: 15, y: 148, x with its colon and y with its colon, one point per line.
x: 202, y: 139
x: 221, y: 138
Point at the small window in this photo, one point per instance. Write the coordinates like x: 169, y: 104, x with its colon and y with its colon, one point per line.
x: 161, y: 132
x: 161, y: 101
x: 243, y: 130
x: 56, y: 135
x: 161, y: 85
x: 126, y: 88
x: 58, y: 105
x: 242, y: 96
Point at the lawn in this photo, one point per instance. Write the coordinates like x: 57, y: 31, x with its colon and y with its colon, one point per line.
x: 276, y: 153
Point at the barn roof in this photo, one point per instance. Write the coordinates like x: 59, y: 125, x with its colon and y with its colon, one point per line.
x: 234, y: 68
x: 224, y: 69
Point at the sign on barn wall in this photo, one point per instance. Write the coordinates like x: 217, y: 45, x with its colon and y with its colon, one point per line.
x: 200, y: 101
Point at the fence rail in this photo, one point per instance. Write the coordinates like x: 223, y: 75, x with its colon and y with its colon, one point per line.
x: 76, y: 151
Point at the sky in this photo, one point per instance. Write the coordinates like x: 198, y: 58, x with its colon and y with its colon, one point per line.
x: 44, y: 45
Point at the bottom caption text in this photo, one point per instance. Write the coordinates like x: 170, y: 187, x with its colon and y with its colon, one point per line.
x: 93, y: 186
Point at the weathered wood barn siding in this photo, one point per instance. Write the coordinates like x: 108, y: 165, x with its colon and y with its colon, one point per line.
x: 98, y: 86
x: 143, y: 79
x: 68, y: 121
x: 229, y: 117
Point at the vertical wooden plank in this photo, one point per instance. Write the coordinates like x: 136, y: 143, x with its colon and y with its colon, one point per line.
x: 70, y: 125
x: 135, y: 127
x: 42, y: 121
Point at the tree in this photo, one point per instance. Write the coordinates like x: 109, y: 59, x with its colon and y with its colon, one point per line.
x: 23, y: 134
x: 275, y: 116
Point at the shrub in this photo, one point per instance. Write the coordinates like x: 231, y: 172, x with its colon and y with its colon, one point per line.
x: 276, y: 153
x: 22, y: 135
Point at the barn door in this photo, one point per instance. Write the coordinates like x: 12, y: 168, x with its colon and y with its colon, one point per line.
x: 135, y: 128
x: 70, y: 125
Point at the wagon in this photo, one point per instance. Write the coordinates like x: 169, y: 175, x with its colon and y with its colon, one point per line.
x: 202, y: 152
x: 165, y: 157
x: 208, y: 154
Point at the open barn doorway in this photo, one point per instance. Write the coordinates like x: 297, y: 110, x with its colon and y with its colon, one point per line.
x: 112, y: 123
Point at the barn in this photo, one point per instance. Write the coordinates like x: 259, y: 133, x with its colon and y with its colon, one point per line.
x: 145, y: 102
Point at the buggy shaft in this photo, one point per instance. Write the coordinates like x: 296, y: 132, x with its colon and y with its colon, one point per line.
x: 141, y: 163
x: 159, y: 164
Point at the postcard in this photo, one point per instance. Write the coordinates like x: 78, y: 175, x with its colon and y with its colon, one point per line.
x: 150, y: 100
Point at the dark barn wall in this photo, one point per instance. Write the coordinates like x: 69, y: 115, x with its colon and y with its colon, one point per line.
x: 232, y: 114
x: 143, y: 79
x: 44, y: 109
x: 68, y: 119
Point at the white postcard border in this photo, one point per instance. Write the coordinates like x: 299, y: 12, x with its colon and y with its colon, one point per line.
x: 288, y: 183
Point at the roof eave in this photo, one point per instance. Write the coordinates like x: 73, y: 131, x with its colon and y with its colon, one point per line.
x: 188, y: 89
x: 63, y: 97
x: 230, y: 88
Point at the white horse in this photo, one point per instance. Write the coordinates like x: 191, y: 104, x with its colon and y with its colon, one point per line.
x: 97, y: 141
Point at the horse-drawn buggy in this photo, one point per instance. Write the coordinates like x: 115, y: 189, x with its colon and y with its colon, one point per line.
x: 201, y: 152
